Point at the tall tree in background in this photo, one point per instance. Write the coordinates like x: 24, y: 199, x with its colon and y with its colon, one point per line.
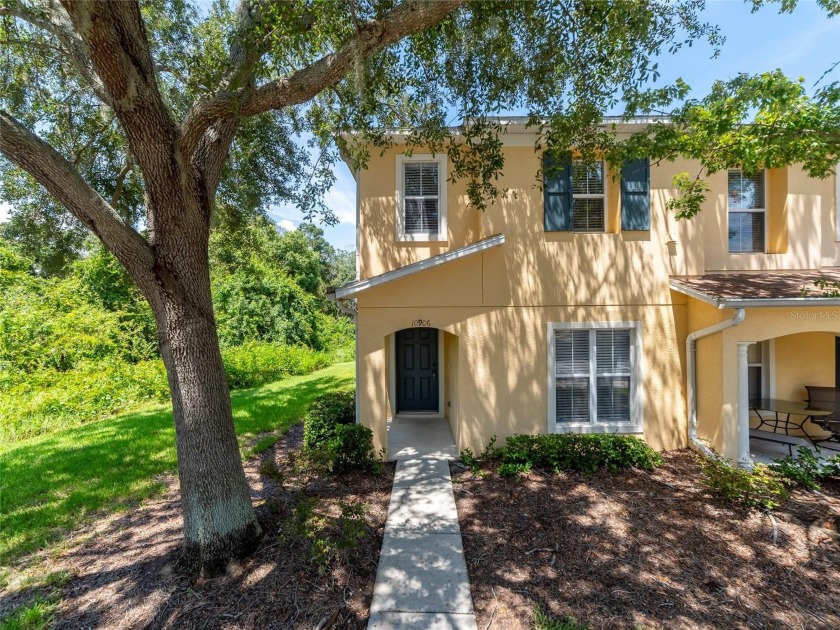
x: 158, y: 113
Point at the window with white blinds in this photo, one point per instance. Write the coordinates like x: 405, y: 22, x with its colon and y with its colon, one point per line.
x: 595, y: 378
x: 747, y: 210
x: 588, y: 199
x: 421, y: 197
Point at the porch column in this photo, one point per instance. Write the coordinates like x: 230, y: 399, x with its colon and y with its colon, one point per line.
x: 743, y: 407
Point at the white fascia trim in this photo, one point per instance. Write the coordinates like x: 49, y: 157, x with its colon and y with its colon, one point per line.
x: 352, y: 288
x: 722, y: 303
x: 637, y: 372
x: 442, y: 235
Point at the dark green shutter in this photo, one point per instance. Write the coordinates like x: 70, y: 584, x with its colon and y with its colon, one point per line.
x: 635, y: 195
x: 557, y: 191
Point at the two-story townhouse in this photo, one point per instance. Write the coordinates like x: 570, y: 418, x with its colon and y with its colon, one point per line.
x: 579, y: 304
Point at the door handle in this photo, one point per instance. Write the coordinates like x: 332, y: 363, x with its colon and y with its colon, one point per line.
x: 434, y: 373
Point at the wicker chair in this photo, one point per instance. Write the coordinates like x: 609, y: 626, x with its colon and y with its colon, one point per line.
x: 826, y: 398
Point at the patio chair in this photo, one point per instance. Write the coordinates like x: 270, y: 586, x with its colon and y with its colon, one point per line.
x: 826, y: 398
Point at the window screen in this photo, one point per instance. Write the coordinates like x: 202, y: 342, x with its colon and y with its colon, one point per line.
x: 746, y: 202
x: 571, y: 349
x: 422, y: 199
x: 592, y: 367
x: 588, y: 197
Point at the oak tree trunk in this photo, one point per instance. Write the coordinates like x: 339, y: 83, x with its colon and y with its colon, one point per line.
x: 219, y: 520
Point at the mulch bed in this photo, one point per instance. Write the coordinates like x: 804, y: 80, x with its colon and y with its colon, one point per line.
x: 122, y: 567
x: 647, y: 550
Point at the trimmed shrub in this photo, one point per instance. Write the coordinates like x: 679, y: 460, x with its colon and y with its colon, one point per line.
x: 352, y: 449
x: 327, y: 412
x: 760, y: 487
x: 586, y: 453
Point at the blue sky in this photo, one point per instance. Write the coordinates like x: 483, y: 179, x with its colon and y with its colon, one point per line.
x: 805, y: 44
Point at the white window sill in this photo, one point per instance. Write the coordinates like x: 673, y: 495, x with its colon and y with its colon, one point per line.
x: 623, y: 428
x: 422, y: 237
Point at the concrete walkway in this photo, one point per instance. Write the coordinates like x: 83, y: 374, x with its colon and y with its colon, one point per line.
x: 422, y: 578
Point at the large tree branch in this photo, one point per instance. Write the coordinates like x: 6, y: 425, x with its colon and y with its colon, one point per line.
x: 57, y: 175
x: 405, y: 19
x: 209, y: 151
x: 120, y: 53
x: 53, y: 19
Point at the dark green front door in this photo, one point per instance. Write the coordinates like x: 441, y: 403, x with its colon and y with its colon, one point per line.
x: 417, y: 370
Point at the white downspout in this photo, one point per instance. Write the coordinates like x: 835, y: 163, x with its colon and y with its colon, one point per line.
x: 691, y: 380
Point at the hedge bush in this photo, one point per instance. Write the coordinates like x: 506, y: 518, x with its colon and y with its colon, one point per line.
x: 575, y: 452
x: 325, y: 413
x: 333, y: 439
x: 351, y: 448
x: 806, y: 468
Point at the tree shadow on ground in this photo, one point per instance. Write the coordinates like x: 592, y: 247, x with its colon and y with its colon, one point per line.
x: 123, y: 573
x: 643, y: 550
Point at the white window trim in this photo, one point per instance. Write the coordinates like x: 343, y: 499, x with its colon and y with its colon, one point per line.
x: 637, y: 371
x: 602, y: 196
x: 753, y: 210
x: 441, y: 235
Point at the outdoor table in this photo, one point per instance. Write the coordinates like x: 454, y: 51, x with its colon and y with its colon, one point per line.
x: 788, y: 408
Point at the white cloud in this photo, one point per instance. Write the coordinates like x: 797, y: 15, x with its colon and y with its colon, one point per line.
x: 4, y: 211
x: 286, y: 224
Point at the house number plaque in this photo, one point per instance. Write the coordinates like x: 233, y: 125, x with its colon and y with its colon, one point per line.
x: 421, y: 323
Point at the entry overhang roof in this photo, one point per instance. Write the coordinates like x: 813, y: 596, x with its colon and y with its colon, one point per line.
x: 350, y: 289
x: 764, y: 289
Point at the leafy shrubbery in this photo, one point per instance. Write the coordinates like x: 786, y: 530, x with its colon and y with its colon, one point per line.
x: 256, y: 363
x: 760, y: 487
x: 81, y: 345
x: 328, y: 537
x: 764, y: 486
x: 806, y: 469
x: 586, y: 453
x: 327, y: 412
x: 50, y: 399
x: 332, y: 437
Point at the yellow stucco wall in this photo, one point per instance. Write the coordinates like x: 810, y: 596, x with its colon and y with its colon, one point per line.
x: 803, y: 354
x: 496, y: 306
x: 500, y: 361
x: 800, y: 223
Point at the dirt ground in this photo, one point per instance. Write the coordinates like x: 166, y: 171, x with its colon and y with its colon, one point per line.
x: 122, y: 567
x: 646, y: 550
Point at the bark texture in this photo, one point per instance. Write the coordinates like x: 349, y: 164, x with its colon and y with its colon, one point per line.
x: 181, y: 164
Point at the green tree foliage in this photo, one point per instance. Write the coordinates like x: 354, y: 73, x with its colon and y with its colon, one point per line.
x: 260, y: 302
x: 57, y: 323
x: 751, y: 122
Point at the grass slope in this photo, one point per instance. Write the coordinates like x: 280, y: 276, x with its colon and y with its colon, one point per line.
x: 52, y: 483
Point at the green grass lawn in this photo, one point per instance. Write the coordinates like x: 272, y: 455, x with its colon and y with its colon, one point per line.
x: 52, y: 483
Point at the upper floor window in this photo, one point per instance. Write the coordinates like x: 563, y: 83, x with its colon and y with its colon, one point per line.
x: 747, y: 212
x: 588, y: 199
x: 421, y: 198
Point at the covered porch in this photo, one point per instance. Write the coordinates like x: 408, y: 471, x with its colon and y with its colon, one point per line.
x: 757, y: 348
